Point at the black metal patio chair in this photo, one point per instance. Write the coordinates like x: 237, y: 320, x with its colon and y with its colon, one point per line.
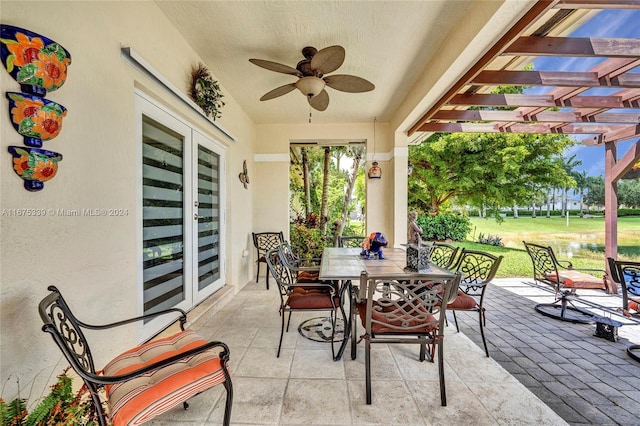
x: 146, y: 380
x: 565, y: 280
x: 628, y: 275
x: 351, y: 241
x: 302, y: 296
x: 478, y: 269
x: 404, y: 309
x: 263, y: 242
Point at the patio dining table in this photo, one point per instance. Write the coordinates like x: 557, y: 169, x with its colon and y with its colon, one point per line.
x: 346, y: 264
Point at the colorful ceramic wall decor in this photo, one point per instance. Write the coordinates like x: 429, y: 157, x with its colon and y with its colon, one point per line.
x: 37, y: 63
x: 35, y: 166
x: 37, y: 119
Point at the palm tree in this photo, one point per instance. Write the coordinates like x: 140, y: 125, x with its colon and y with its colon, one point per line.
x: 324, y: 206
x: 568, y: 164
x: 357, y: 153
x: 581, y: 183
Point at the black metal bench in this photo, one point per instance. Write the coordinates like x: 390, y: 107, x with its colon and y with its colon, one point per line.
x: 146, y: 380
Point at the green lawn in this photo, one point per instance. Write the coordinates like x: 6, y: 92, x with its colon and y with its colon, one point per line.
x: 582, y: 241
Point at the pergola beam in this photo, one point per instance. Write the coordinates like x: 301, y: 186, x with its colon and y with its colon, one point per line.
x: 625, y: 164
x: 614, y: 130
x: 598, y: 4
x: 574, y: 116
x: 575, y: 46
x: 543, y: 101
x: 555, y: 78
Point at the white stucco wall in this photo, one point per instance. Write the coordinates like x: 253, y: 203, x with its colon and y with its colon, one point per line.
x: 93, y: 259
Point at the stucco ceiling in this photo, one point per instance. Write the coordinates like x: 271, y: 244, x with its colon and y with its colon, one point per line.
x: 388, y: 43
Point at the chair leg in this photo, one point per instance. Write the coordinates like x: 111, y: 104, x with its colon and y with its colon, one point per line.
x: 455, y: 320
x: 483, y: 322
x: 367, y: 368
x: 258, y: 273
x: 227, y: 407
x: 288, y: 321
x: 443, y: 390
x: 354, y: 342
x: 423, y: 350
x: 97, y: 404
x: 354, y: 324
x: 282, y: 331
x: 267, y: 277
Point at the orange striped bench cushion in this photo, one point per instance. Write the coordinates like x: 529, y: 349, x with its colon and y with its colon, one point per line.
x: 576, y: 279
x: 138, y: 400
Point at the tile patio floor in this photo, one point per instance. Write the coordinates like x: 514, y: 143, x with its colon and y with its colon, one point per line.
x: 541, y: 371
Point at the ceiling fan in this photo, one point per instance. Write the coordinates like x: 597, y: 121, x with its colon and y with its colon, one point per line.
x: 311, y: 76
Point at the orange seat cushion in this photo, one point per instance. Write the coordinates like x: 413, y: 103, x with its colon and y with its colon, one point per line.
x: 634, y: 305
x: 308, y: 277
x: 138, y: 400
x: 576, y: 279
x: 311, y: 298
x: 396, y: 319
x: 463, y: 301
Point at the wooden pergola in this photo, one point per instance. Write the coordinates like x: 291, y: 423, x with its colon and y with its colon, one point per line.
x: 566, y: 107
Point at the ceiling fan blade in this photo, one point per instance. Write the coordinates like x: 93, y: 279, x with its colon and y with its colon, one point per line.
x: 278, y: 91
x: 328, y: 59
x: 274, y: 66
x: 349, y: 83
x: 320, y: 101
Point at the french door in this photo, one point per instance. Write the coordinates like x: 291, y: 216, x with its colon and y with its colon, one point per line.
x: 181, y: 232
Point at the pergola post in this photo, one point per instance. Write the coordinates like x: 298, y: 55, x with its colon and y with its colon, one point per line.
x: 610, y: 202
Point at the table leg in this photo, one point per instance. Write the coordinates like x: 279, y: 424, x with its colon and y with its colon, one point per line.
x: 345, y: 287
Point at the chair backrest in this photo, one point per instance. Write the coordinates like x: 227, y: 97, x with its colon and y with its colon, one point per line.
x: 405, y: 303
x: 443, y: 255
x: 478, y: 268
x: 66, y: 331
x: 287, y: 253
x: 283, y: 275
x: 351, y: 241
x: 628, y: 274
x: 545, y: 263
x: 265, y: 241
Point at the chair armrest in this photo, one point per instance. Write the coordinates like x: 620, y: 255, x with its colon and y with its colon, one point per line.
x: 182, y: 318
x: 295, y: 265
x: 108, y: 380
x: 565, y: 264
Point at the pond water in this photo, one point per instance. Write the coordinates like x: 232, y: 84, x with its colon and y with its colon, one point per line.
x: 579, y: 249
x: 588, y: 246
x: 569, y: 246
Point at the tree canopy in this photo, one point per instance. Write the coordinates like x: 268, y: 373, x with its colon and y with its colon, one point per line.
x: 494, y: 169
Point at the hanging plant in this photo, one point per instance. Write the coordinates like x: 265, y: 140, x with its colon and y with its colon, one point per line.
x: 205, y: 92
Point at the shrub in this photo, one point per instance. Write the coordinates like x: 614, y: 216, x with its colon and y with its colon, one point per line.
x: 446, y: 226
x: 491, y: 240
x: 60, y: 407
x: 307, y: 240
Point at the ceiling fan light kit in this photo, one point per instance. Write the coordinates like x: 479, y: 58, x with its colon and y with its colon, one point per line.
x: 310, y: 86
x: 311, y: 76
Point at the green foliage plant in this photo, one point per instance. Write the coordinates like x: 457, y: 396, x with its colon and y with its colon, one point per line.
x: 490, y: 240
x: 493, y: 169
x: 307, y: 241
x: 60, y: 407
x: 446, y: 226
x: 205, y: 92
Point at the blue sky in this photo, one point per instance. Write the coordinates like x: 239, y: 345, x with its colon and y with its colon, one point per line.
x: 621, y: 23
